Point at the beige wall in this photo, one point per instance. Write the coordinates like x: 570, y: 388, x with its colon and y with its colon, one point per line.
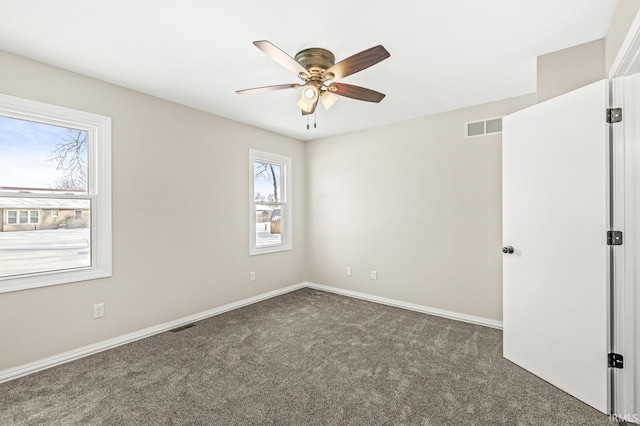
x: 568, y: 69
x: 416, y: 202
x: 171, y: 164
x: 624, y: 15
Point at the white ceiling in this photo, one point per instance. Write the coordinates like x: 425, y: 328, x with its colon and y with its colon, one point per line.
x: 445, y: 54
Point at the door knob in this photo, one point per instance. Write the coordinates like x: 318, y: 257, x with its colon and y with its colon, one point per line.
x: 507, y: 250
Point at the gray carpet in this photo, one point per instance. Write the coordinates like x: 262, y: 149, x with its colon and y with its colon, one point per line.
x: 304, y: 358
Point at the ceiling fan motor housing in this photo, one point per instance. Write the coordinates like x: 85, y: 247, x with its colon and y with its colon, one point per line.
x: 315, y: 60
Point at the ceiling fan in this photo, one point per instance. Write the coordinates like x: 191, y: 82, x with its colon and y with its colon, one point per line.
x: 317, y: 70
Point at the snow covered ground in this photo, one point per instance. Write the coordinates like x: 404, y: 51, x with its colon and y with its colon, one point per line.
x: 264, y: 236
x: 23, y: 252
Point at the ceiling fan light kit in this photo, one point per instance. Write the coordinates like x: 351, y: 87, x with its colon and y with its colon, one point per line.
x: 317, y: 69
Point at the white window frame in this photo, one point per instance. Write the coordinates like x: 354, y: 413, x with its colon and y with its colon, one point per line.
x: 54, y: 213
x: 98, y: 128
x: 285, y: 202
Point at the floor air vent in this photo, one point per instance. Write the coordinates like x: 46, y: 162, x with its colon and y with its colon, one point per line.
x: 488, y: 126
x: 184, y: 327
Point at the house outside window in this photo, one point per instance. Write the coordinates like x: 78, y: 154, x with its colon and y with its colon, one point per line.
x: 55, y: 187
x: 270, y: 218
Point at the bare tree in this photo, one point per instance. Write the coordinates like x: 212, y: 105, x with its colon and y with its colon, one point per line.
x: 265, y: 171
x: 76, y: 182
x: 71, y: 156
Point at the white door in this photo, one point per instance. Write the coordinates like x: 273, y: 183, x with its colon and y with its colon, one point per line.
x: 555, y: 216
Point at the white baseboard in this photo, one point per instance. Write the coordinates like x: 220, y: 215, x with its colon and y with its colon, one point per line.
x: 486, y: 322
x: 32, y: 367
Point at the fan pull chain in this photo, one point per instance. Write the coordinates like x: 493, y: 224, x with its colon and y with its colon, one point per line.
x: 315, y: 123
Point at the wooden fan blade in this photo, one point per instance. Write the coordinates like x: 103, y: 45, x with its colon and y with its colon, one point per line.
x: 313, y: 108
x: 280, y: 57
x: 356, y: 92
x: 358, y: 62
x: 268, y: 88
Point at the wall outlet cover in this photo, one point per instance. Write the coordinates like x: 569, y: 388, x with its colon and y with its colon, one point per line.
x: 98, y: 310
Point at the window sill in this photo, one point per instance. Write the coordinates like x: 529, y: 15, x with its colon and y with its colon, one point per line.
x: 270, y: 249
x: 9, y: 284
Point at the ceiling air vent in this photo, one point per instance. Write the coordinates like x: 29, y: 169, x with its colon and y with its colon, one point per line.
x: 488, y: 126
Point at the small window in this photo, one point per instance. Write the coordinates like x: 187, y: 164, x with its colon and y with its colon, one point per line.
x: 270, y: 218
x: 57, y: 160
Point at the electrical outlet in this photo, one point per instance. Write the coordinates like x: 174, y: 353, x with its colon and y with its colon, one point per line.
x: 98, y: 310
x: 348, y: 271
x: 374, y: 275
x: 252, y: 276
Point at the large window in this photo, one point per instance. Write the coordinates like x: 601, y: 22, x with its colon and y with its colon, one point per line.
x: 22, y: 217
x: 269, y: 202
x: 55, y: 195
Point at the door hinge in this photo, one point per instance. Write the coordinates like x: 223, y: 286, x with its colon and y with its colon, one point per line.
x: 614, y: 115
x: 616, y: 360
x: 614, y: 238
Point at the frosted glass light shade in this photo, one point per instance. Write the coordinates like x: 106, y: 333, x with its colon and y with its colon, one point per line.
x: 328, y: 99
x: 304, y: 105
